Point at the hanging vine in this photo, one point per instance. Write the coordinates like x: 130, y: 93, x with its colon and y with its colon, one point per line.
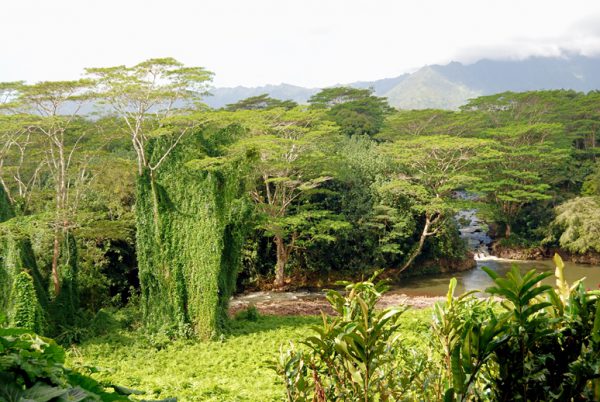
x: 190, y: 230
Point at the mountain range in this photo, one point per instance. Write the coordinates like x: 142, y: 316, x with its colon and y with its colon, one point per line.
x: 449, y: 86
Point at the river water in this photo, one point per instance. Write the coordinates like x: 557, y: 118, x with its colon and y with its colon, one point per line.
x: 474, y: 231
x: 416, y: 291
x: 477, y: 279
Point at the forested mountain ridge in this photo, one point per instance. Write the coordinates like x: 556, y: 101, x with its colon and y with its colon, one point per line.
x: 449, y: 86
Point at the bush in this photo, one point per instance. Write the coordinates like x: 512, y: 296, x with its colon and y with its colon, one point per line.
x: 249, y: 314
x: 351, y: 357
x: 32, y: 368
x: 26, y: 312
x: 537, y: 343
x: 542, y: 345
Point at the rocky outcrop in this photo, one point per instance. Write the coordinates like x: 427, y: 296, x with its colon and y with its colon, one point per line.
x: 518, y: 253
x: 435, y: 266
x: 541, y: 253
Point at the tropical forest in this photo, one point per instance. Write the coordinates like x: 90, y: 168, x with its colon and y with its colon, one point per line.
x: 340, y: 249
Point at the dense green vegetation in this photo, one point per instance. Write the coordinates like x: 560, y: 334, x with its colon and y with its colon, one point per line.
x: 124, y: 189
x: 462, y: 348
x: 535, y: 344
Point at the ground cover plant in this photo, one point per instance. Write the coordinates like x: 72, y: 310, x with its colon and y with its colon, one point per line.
x: 236, y: 368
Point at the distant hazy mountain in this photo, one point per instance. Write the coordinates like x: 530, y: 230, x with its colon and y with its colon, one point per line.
x: 428, y: 88
x: 224, y: 96
x: 450, y: 86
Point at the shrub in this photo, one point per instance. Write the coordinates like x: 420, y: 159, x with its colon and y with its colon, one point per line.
x: 536, y: 343
x: 352, y: 356
x: 249, y: 314
x: 26, y: 311
x: 31, y: 368
x: 543, y: 345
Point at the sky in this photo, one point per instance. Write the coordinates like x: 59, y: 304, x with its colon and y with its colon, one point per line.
x: 313, y: 43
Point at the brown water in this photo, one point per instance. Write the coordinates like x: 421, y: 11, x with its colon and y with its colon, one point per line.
x: 477, y: 279
x: 420, y: 290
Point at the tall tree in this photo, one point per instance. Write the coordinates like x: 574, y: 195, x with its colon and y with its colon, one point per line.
x: 148, y: 94
x: 356, y: 111
x: 525, y: 164
x: 260, y: 102
x: 54, y: 107
x: 430, y: 170
x: 412, y: 123
x: 292, y: 160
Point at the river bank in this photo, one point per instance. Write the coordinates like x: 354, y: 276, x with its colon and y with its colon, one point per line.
x: 416, y: 291
x: 313, y: 302
x: 521, y: 253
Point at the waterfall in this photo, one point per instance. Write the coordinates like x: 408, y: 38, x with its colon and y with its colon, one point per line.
x: 474, y: 231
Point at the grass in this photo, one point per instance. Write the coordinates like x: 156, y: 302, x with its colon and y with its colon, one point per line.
x: 235, y: 368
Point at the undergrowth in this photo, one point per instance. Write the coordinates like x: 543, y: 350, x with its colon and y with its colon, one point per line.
x: 237, y: 367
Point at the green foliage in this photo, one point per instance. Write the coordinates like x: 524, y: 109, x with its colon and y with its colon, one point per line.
x: 260, y: 102
x: 249, y: 314
x: 352, y: 356
x: 32, y: 368
x: 407, y: 124
x: 469, y: 333
x: 547, y: 354
x: 591, y: 185
x: 190, y: 229
x: 6, y: 210
x: 290, y: 166
x: 541, y: 345
x: 419, y: 197
x: 22, y: 288
x: 26, y: 311
x: 523, y: 167
x: 577, y: 224
x: 356, y: 111
x: 64, y: 306
x: 234, y: 367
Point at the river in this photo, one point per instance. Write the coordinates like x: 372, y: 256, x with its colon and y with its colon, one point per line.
x: 474, y: 232
x: 477, y: 279
x: 416, y: 291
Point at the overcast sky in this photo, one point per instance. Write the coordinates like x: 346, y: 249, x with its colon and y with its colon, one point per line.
x: 304, y: 42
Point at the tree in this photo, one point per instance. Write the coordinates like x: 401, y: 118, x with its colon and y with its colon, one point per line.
x: 525, y: 163
x: 291, y: 161
x: 21, y: 158
x: 53, y: 107
x: 356, y: 111
x: 591, y: 184
x: 577, y: 224
x: 147, y: 94
x: 412, y: 123
x: 430, y: 170
x: 260, y: 102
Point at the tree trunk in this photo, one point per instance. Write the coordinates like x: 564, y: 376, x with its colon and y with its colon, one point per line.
x: 417, y: 250
x: 507, y: 231
x: 55, y: 254
x: 282, y: 258
x: 155, y: 213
